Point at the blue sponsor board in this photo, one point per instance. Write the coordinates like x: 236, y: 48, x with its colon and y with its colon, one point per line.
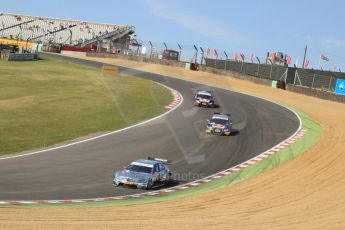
x: 340, y: 87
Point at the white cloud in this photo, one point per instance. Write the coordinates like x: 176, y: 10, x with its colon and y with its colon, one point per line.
x: 203, y: 25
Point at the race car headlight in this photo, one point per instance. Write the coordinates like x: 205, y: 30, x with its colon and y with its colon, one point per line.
x: 119, y: 177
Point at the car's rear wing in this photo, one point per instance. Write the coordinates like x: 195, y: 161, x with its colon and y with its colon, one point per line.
x: 163, y: 161
x: 228, y: 114
x: 207, y: 91
x: 202, y: 90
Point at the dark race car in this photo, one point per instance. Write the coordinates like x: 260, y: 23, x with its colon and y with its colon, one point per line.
x: 219, y: 124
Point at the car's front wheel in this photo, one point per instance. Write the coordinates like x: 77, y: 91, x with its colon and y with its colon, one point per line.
x: 149, y: 184
x: 168, y: 178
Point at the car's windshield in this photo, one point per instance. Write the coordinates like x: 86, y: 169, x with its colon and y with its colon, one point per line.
x: 204, y: 96
x: 219, y: 121
x: 139, y: 168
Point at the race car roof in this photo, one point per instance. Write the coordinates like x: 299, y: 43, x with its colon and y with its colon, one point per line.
x: 204, y: 93
x: 145, y: 163
x: 220, y: 116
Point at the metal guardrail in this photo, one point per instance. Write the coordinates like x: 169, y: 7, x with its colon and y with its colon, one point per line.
x: 22, y: 57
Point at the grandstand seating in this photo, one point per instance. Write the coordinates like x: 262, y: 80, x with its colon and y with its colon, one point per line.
x: 61, y: 31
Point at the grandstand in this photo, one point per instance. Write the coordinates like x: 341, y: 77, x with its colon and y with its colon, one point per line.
x: 45, y: 30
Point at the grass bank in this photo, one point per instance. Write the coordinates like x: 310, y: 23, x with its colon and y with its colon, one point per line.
x: 46, y: 102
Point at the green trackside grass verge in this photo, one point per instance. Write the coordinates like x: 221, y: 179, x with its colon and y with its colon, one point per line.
x: 313, y: 133
x: 46, y: 102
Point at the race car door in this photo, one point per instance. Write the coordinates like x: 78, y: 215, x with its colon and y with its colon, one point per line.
x: 156, y: 173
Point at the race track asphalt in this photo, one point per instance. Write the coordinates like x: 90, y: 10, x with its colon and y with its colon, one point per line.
x: 86, y: 170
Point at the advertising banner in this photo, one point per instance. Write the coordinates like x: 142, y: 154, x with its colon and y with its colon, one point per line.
x: 23, y: 44
x: 340, y: 87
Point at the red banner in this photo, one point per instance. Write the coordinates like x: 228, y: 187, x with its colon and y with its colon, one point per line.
x: 215, y: 53
x: 306, y: 64
x: 235, y: 56
x: 288, y: 60
x: 273, y: 56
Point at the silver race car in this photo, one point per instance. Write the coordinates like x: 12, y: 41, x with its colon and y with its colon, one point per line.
x: 219, y: 124
x: 204, y: 99
x: 144, y: 174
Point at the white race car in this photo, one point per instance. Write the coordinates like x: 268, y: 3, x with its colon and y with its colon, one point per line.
x: 144, y: 174
x: 204, y: 99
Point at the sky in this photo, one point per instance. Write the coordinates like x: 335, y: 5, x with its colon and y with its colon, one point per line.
x: 257, y: 26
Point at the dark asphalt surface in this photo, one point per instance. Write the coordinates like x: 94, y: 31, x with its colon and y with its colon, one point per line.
x: 86, y: 170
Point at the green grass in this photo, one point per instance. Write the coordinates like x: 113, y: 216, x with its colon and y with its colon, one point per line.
x: 46, y: 102
x: 313, y: 133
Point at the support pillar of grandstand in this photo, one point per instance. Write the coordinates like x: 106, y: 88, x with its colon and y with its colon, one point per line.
x: 26, y: 45
x: 110, y: 46
x: 138, y: 50
x: 98, y: 45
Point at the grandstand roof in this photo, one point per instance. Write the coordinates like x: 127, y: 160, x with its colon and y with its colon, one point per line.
x: 58, y: 19
x: 63, y: 31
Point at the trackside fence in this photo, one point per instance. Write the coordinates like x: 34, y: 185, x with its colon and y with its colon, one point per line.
x: 311, y: 82
x: 309, y: 78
